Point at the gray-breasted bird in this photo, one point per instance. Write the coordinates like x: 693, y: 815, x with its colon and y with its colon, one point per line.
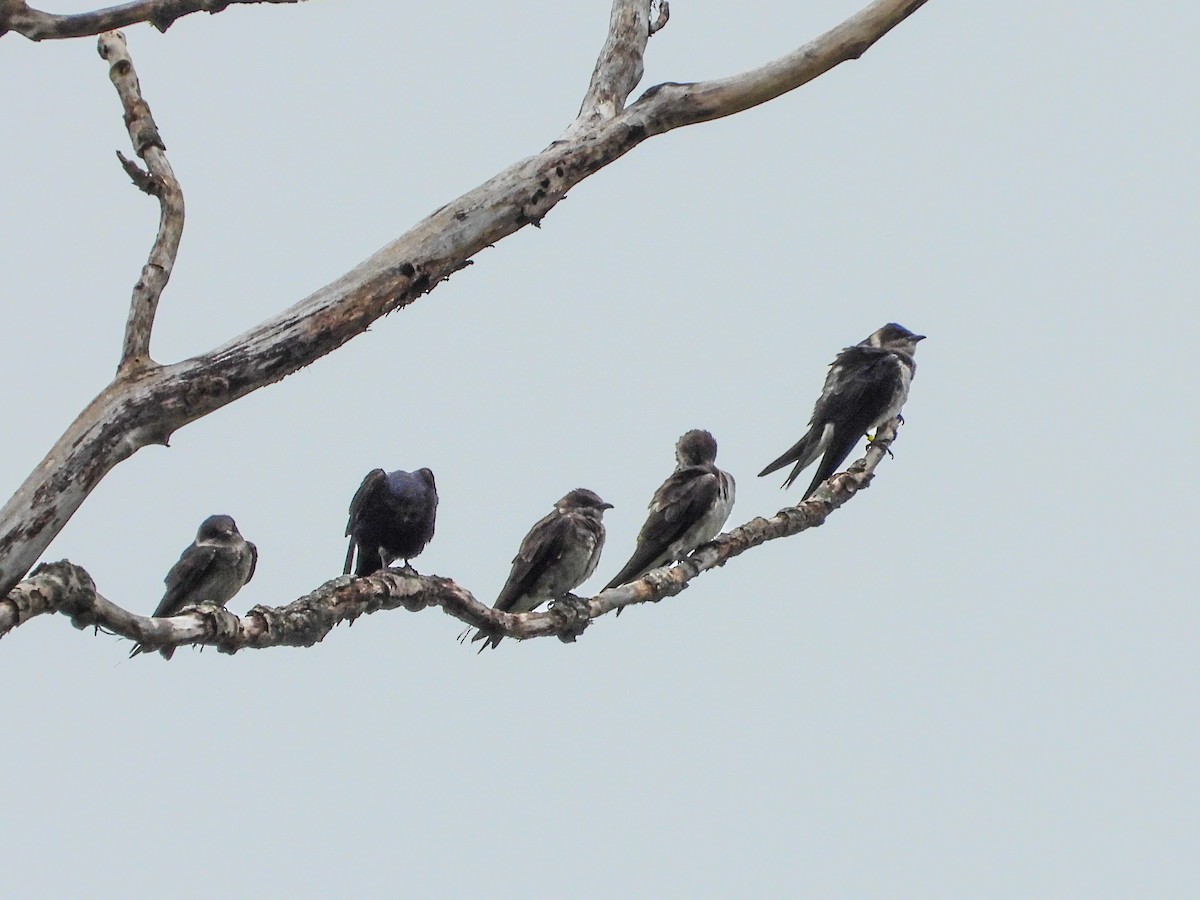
x: 559, y: 554
x: 211, y: 570
x: 686, y: 511
x: 392, y: 517
x: 867, y: 384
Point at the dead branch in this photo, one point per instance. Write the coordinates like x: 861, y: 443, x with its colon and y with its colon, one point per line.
x: 66, y: 588
x: 146, y: 405
x: 660, y: 21
x: 161, y: 182
x: 20, y: 17
x: 619, y: 66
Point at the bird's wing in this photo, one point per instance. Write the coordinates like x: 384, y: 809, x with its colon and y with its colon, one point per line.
x: 840, y: 445
x: 375, y: 479
x: 253, y: 561
x: 183, y: 578
x: 370, y: 486
x: 854, y: 404
x: 854, y: 394
x: 859, y: 384
x: 545, y: 545
x: 802, y: 453
x: 681, y: 501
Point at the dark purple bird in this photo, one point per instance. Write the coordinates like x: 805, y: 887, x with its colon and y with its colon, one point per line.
x: 392, y: 517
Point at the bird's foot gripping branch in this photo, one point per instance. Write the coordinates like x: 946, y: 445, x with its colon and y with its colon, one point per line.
x: 66, y: 588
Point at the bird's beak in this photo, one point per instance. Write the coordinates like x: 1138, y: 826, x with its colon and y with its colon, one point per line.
x: 606, y: 506
x: 918, y: 337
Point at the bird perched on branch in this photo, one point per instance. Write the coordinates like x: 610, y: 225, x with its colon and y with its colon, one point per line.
x: 210, y: 571
x: 867, y: 384
x: 687, y: 510
x: 392, y: 517
x: 559, y: 554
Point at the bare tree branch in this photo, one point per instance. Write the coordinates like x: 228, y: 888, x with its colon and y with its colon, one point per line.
x: 146, y: 406
x: 159, y: 181
x: 53, y: 587
x: 619, y: 67
x: 67, y: 588
x: 18, y: 16
x: 674, y: 105
x: 660, y: 21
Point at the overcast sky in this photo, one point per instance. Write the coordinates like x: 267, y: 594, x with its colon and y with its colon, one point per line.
x: 978, y: 679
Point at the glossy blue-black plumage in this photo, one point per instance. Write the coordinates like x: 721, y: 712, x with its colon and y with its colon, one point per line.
x: 392, y: 516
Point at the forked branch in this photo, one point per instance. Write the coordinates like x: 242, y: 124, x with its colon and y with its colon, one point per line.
x: 160, y: 182
x: 146, y: 404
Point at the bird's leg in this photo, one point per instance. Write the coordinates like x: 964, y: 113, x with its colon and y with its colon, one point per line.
x: 871, y: 440
x: 574, y: 614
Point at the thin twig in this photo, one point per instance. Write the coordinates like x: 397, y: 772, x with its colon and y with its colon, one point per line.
x: 161, y: 182
x: 660, y: 21
x: 673, y: 105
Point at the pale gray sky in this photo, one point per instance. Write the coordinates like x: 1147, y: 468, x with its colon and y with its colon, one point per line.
x: 978, y: 680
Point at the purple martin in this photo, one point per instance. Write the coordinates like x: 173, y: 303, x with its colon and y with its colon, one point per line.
x: 559, y: 554
x: 686, y: 511
x: 391, y: 517
x: 867, y: 384
x: 211, y: 570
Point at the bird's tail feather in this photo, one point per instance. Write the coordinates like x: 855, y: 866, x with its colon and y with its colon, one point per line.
x: 493, y: 640
x: 837, y: 449
x: 490, y: 639
x: 631, y: 572
x: 626, y: 575
x: 802, y: 453
x: 644, y: 560
x: 368, y: 563
x: 167, y: 652
x: 633, y: 569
